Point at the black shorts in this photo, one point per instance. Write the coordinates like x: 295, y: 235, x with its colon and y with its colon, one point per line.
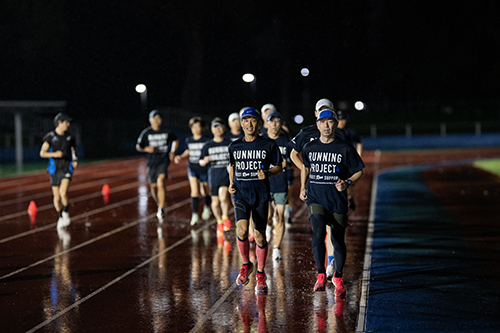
x: 243, y: 211
x: 55, y: 179
x: 154, y: 172
x: 217, y: 178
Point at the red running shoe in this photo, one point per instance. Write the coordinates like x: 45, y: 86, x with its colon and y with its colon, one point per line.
x: 261, y: 282
x: 227, y: 224
x: 320, y: 283
x: 246, y: 269
x: 339, y: 286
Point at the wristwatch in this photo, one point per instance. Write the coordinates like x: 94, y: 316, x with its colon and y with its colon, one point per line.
x: 349, y: 182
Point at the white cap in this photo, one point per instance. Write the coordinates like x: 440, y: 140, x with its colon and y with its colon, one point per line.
x: 324, y: 102
x: 268, y: 106
x: 232, y: 117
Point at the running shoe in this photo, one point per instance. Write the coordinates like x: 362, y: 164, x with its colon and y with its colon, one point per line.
x: 246, y: 269
x: 330, y: 269
x: 65, y: 219
x: 205, y: 215
x: 320, y: 283
x: 261, y: 282
x: 339, y: 286
x: 194, y: 218
x: 160, y: 214
x: 269, y: 232
x: 227, y: 224
x: 277, y: 254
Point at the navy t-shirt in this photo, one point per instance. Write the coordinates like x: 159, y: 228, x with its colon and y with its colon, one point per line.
x: 248, y: 158
x: 161, y: 140
x: 234, y: 137
x: 219, y: 159
x: 311, y: 133
x: 279, y: 183
x: 329, y: 163
x: 195, y: 147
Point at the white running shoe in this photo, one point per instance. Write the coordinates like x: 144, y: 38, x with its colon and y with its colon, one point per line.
x: 160, y: 214
x: 330, y: 270
x: 66, y: 221
x: 277, y: 254
x: 269, y: 232
x: 194, y: 218
x: 206, y: 213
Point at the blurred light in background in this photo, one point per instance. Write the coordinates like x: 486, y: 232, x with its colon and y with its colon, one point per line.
x: 298, y: 119
x: 359, y: 105
x: 248, y: 77
x: 304, y: 72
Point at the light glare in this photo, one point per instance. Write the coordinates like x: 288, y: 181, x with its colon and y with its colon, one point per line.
x: 359, y: 105
x: 304, y: 72
x: 140, y: 88
x: 248, y: 77
x: 298, y: 119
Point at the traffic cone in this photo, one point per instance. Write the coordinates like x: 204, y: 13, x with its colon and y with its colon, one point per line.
x: 32, y: 210
x: 105, y: 189
x: 105, y: 193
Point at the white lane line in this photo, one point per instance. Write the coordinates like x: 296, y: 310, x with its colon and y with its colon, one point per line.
x: 93, y: 240
x: 116, y: 280
x: 86, y: 214
x: 209, y: 314
x: 365, y: 280
x: 91, y: 196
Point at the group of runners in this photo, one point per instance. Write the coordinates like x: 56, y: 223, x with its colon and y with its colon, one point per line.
x: 248, y: 166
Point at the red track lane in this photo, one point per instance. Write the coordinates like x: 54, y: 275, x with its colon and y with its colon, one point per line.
x: 117, y: 269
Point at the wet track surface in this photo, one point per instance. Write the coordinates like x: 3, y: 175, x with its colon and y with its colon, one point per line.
x: 117, y: 269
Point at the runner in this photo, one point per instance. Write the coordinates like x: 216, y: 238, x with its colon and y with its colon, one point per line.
x: 215, y: 154
x: 355, y: 139
x: 234, y: 123
x: 160, y: 144
x: 197, y: 175
x: 331, y: 165
x: 250, y: 159
x: 59, y: 147
x: 278, y: 185
x: 306, y: 135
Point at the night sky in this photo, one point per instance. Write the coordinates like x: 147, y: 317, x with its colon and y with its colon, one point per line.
x: 192, y: 54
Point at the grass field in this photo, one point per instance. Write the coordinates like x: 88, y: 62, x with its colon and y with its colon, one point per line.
x: 492, y: 165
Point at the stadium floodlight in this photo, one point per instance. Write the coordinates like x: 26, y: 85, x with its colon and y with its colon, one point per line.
x: 298, y: 119
x: 359, y: 105
x: 304, y: 72
x: 140, y: 88
x: 248, y: 78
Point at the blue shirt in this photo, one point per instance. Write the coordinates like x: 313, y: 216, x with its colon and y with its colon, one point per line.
x: 329, y: 163
x: 248, y: 158
x: 219, y: 160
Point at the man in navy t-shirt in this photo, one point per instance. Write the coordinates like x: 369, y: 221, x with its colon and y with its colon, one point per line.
x: 160, y: 144
x: 250, y: 159
x: 331, y: 165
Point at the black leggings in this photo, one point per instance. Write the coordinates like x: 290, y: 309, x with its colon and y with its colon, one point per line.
x: 318, y: 222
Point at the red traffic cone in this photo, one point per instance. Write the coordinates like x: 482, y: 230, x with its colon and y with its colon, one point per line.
x: 32, y: 210
x: 105, y: 193
x: 105, y: 189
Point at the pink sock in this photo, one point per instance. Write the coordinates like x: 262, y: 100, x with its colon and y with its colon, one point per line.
x: 244, y: 247
x: 261, y: 253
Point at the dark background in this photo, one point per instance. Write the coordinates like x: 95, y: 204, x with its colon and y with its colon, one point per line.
x: 407, y: 60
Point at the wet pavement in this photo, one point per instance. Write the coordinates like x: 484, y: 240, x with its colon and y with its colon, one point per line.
x: 118, y: 269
